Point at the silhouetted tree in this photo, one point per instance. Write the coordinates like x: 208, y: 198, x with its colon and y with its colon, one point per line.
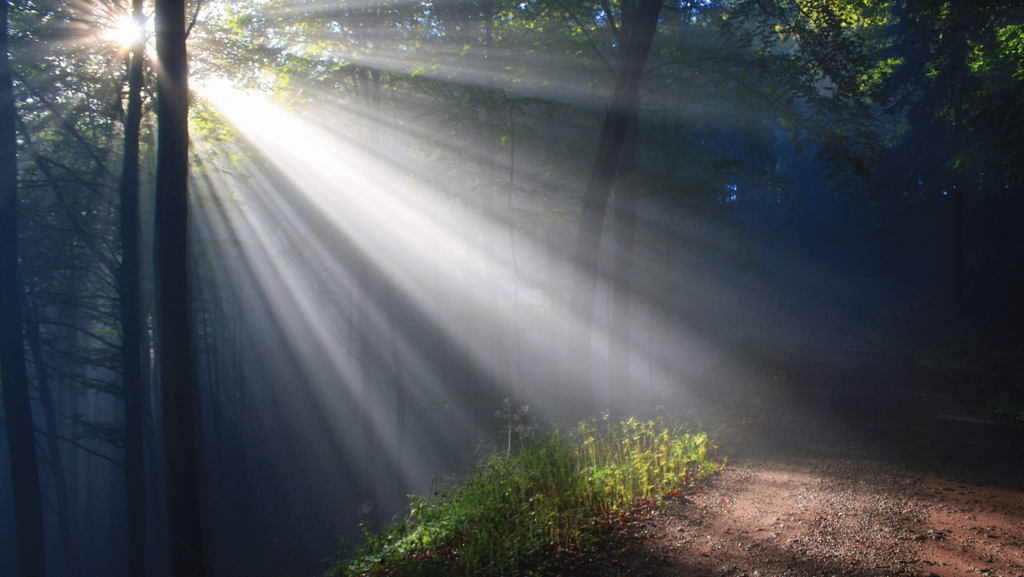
x: 28, y: 509
x: 129, y: 292
x: 638, y: 34
x: 624, y: 231
x: 182, y: 433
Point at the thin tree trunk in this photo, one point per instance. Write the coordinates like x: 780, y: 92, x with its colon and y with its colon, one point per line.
x: 396, y: 360
x: 517, y: 332
x: 375, y: 110
x: 156, y: 517
x: 209, y: 360
x: 21, y: 446
x: 368, y: 351
x: 958, y: 244
x: 622, y: 108
x: 959, y: 180
x: 182, y: 435
x: 46, y: 398
x: 368, y: 364
x: 129, y: 292
x: 66, y: 386
x: 624, y: 230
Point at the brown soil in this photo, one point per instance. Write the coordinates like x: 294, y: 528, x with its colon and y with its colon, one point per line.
x: 845, y: 464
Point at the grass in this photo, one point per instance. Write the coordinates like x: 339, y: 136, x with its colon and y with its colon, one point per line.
x: 554, y: 491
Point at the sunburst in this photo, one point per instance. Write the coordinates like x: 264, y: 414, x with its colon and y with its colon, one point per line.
x: 124, y: 31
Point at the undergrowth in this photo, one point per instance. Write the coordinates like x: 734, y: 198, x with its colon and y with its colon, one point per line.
x: 520, y: 506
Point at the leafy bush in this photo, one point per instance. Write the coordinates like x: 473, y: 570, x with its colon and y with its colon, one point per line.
x: 519, y: 507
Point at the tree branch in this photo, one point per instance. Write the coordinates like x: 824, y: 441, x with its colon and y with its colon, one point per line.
x: 590, y: 40
x: 611, y: 21
x: 195, y: 16
x: 66, y: 124
x: 92, y: 452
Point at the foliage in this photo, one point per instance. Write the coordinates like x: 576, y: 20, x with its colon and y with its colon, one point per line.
x: 552, y: 493
x: 816, y: 57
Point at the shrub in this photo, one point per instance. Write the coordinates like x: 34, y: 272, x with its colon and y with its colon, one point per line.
x: 518, y: 507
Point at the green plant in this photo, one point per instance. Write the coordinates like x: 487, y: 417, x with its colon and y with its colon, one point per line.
x: 516, y: 424
x: 517, y: 509
x: 635, y: 458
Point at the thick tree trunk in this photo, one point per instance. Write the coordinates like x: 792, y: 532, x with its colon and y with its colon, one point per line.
x: 623, y: 106
x: 182, y: 435
x: 129, y: 291
x: 28, y: 509
x: 624, y: 230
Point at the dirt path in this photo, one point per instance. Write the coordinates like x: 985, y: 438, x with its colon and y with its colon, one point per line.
x: 846, y: 464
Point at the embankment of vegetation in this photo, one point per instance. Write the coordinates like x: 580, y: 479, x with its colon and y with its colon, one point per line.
x: 535, y: 497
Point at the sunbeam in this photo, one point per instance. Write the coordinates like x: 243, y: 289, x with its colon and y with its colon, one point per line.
x: 331, y: 239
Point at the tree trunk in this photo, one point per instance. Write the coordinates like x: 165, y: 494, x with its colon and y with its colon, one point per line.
x: 129, y: 292
x: 368, y: 358
x: 68, y: 370
x: 623, y: 106
x: 375, y: 111
x: 47, y: 400
x: 396, y: 478
x: 21, y: 446
x: 959, y: 56
x: 182, y: 435
x: 624, y: 230
x: 369, y: 355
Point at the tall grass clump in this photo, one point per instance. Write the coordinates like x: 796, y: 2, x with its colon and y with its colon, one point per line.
x: 519, y: 507
x: 632, y: 459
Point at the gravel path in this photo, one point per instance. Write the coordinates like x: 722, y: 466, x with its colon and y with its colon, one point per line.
x: 846, y: 464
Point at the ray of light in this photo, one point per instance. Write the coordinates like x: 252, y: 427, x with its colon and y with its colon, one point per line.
x: 334, y: 204
x: 330, y: 228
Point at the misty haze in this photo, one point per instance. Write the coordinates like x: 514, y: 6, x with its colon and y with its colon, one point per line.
x: 540, y: 287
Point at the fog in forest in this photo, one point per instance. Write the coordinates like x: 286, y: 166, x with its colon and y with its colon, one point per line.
x: 385, y: 228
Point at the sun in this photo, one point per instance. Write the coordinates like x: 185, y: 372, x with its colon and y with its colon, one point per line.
x: 124, y: 31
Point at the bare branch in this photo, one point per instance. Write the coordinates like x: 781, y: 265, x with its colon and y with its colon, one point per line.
x: 67, y: 125
x: 92, y: 452
x: 195, y: 16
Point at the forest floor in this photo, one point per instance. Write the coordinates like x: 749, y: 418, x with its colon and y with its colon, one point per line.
x: 845, y: 464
